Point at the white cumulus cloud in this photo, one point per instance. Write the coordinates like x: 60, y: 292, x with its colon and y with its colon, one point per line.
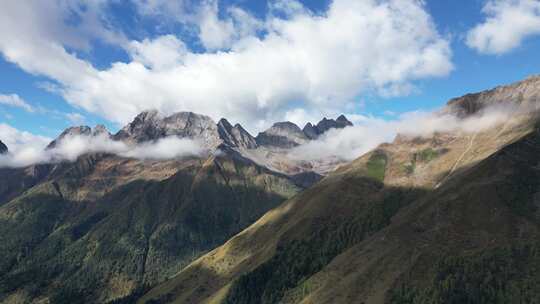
x: 507, y: 24
x: 257, y: 70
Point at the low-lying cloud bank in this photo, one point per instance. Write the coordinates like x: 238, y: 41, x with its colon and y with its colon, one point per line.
x: 70, y: 148
x: 369, y: 132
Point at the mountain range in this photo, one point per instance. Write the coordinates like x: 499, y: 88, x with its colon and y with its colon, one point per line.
x: 447, y: 217
x: 112, y: 226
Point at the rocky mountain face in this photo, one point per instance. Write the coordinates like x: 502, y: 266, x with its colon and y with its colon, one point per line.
x: 450, y: 218
x: 3, y: 148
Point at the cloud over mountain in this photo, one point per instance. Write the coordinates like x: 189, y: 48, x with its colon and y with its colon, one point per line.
x: 28, y: 149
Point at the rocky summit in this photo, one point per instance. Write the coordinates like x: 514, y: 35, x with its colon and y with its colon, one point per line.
x: 150, y: 126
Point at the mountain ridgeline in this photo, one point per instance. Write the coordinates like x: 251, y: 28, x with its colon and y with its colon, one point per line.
x: 448, y: 218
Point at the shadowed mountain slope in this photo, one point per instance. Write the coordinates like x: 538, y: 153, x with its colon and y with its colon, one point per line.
x: 105, y: 227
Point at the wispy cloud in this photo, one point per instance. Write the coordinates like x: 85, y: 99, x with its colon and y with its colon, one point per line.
x: 15, y: 100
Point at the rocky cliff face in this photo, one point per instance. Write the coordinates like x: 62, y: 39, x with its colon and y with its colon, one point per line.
x: 3, y: 148
x: 150, y: 126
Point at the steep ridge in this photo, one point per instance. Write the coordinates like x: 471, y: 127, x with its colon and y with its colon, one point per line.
x: 398, y: 225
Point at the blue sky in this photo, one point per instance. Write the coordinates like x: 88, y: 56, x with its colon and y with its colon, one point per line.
x: 112, y: 33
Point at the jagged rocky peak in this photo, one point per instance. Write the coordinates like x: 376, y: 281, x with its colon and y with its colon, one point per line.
x: 523, y: 94
x: 324, y: 125
x: 3, y: 148
x: 150, y: 126
x: 79, y: 131
x: 327, y: 124
x: 282, y: 135
x: 235, y: 136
